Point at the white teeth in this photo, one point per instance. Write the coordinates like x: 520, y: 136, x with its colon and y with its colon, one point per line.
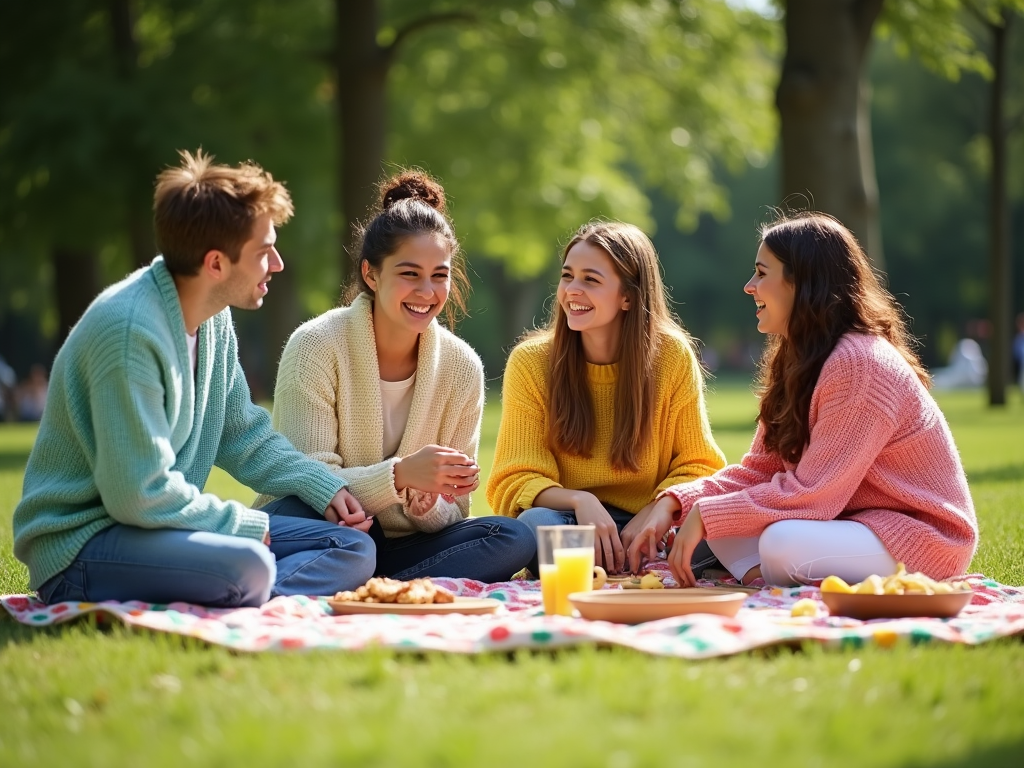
x: 418, y: 309
x: 578, y: 307
x: 759, y: 304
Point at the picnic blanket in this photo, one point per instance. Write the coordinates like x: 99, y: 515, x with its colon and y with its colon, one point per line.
x: 307, y: 623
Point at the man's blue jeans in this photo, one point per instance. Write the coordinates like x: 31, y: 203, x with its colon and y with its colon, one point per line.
x: 483, y: 548
x: 305, y: 557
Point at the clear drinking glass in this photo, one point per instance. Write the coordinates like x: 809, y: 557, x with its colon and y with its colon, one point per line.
x: 566, y: 557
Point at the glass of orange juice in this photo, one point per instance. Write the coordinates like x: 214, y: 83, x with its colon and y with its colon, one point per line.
x: 566, y: 557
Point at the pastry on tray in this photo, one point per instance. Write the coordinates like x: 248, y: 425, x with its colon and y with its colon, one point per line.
x: 385, y: 590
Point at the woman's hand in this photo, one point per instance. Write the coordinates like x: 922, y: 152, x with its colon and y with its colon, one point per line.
x: 420, y: 503
x: 436, y: 469
x: 608, y: 551
x: 345, y: 509
x: 644, y: 532
x: 689, y: 536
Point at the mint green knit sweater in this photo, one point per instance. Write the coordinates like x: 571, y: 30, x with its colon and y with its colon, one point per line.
x: 128, y: 437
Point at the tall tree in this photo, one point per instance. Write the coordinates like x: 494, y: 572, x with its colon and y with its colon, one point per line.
x: 823, y: 102
x: 361, y: 73
x: 996, y: 17
x: 540, y: 116
x: 823, y: 95
x: 103, y: 94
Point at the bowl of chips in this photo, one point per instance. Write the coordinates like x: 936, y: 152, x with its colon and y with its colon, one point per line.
x: 901, y: 595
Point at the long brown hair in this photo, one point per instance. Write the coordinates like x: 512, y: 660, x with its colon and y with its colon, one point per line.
x: 836, y: 292
x: 571, y: 425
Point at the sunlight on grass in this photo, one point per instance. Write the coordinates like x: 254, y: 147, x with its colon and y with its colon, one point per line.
x: 113, y: 697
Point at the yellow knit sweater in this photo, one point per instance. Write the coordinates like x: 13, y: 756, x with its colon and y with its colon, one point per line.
x: 681, y: 446
x: 327, y: 402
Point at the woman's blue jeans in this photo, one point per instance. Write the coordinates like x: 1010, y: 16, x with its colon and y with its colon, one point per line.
x: 307, y: 556
x: 487, y: 549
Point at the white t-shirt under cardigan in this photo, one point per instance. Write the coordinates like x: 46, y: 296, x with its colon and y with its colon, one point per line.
x: 396, y: 401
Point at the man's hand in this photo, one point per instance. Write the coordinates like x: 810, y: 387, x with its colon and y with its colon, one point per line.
x: 644, y: 532
x: 344, y: 509
x: 436, y: 469
x: 689, y: 536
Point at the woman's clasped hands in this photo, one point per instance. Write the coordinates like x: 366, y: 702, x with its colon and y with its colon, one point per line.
x: 435, y: 470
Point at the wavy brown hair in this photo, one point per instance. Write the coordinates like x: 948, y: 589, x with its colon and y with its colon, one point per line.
x: 571, y: 426
x: 836, y: 292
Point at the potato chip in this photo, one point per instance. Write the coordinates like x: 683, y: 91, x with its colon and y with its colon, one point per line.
x: 899, y: 583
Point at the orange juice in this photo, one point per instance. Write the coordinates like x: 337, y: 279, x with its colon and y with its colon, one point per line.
x: 549, y: 587
x: 575, y: 573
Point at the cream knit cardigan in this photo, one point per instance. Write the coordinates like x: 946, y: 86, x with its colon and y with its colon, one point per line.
x: 327, y: 402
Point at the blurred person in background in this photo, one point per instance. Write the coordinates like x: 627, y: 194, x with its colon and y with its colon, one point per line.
x: 7, y: 383
x: 1018, y: 352
x: 30, y: 394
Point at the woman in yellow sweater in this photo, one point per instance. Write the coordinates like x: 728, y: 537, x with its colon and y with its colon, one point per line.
x: 391, y: 401
x: 604, y: 408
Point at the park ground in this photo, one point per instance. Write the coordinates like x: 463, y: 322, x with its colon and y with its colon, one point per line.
x: 107, y: 697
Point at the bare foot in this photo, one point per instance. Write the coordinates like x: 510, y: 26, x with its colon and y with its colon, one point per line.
x: 749, y: 576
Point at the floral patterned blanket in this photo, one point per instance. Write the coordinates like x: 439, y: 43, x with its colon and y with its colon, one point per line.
x: 307, y: 623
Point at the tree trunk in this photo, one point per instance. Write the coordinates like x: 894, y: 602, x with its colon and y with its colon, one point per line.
x: 516, y: 302
x: 139, y: 188
x: 76, y: 282
x: 284, y: 313
x: 1000, y: 267
x: 823, y: 100
x: 361, y: 77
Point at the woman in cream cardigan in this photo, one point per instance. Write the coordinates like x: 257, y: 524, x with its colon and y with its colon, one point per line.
x: 391, y: 401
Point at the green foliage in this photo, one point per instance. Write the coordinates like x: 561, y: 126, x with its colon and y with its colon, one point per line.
x: 542, y: 115
x: 936, y: 32
x: 944, y: 34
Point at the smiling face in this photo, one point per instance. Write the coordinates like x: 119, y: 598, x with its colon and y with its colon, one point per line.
x: 773, y: 294
x: 590, y: 290
x: 246, y: 282
x: 412, y: 284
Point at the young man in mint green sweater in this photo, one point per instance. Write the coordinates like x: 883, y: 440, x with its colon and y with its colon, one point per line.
x: 147, y: 394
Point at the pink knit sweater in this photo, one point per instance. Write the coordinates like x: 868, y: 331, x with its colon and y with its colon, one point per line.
x: 880, y: 453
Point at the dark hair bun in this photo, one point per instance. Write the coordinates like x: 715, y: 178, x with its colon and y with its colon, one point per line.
x: 412, y: 184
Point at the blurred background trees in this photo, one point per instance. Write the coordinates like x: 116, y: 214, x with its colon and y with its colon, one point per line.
x: 536, y: 116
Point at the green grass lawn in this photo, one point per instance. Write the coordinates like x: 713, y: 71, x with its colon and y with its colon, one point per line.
x: 81, y: 696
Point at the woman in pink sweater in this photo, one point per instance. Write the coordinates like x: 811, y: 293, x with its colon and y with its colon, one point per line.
x: 853, y: 467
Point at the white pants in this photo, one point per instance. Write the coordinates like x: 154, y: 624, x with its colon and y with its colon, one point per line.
x: 800, y: 551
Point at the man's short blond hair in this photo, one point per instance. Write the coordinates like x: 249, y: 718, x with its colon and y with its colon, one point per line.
x: 201, y: 206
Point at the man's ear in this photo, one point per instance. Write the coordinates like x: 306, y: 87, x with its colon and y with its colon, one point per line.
x: 215, y: 264
x: 369, y: 276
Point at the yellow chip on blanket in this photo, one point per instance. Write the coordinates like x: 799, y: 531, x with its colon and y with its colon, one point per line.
x: 804, y: 607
